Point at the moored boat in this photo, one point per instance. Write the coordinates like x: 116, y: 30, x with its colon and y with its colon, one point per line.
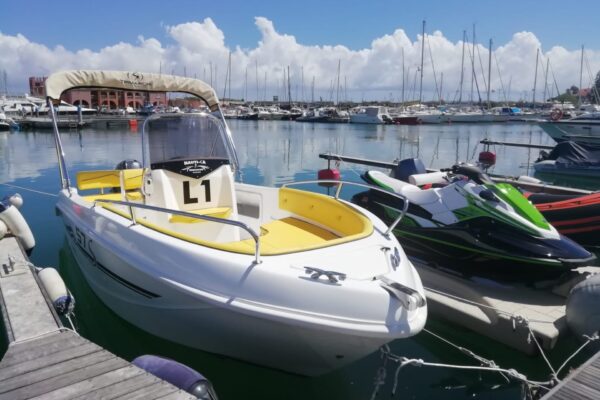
x: 280, y: 277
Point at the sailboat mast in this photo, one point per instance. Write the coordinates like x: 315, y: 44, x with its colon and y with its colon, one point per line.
x: 246, y: 85
x: 229, y: 73
x: 422, y: 59
x: 473, y: 65
x: 256, y: 64
x: 462, y: 67
x: 489, y: 74
x: 289, y: 87
x: 303, y: 98
x: 403, y: 76
x: 337, y: 94
x: 537, y: 56
x: 546, y: 80
x: 580, y: 75
x: 312, y: 90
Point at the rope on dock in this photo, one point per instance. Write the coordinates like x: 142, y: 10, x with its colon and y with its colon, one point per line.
x: 486, y: 365
x: 29, y: 189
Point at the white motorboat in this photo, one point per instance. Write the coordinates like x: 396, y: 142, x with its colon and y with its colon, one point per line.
x: 371, y: 115
x: 281, y: 277
x: 584, y: 128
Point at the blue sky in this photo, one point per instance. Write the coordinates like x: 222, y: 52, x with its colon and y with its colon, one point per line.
x: 95, y: 24
x: 368, y: 38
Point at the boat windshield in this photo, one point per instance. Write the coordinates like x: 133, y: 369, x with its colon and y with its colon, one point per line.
x: 180, y: 137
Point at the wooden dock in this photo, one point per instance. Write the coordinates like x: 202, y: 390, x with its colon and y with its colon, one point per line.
x: 583, y: 383
x: 46, y: 361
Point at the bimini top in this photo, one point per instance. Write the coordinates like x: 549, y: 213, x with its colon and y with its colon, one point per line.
x: 59, y: 82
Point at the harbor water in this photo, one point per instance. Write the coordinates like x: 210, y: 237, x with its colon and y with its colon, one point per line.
x: 272, y: 153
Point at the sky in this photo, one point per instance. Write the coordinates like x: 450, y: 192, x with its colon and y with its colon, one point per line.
x: 366, y: 38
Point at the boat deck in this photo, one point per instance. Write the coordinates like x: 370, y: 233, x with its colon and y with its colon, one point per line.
x: 44, y: 360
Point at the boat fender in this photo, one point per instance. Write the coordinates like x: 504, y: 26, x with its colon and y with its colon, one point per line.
x: 328, y: 174
x: 487, y: 158
x: 16, y: 200
x: 556, y: 114
x: 180, y: 375
x: 52, y: 282
x: 583, y: 313
x: 528, y: 179
x: 3, y: 229
x: 428, y: 178
x: 10, y: 215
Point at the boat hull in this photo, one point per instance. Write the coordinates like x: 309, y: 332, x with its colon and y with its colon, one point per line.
x: 581, y: 132
x: 135, y: 278
x: 575, y: 216
x: 201, y: 325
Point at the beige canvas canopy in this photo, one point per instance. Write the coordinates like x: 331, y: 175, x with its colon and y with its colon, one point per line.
x: 59, y: 82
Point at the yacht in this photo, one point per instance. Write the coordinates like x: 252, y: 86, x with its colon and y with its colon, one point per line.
x: 584, y: 128
x: 371, y: 115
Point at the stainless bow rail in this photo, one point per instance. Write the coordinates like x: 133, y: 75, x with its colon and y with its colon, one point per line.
x: 238, y: 224
x: 339, y: 189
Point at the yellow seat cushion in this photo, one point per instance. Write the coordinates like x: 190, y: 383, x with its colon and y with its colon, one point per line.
x: 134, y: 195
x: 326, y: 211
x: 216, y: 212
x: 105, y: 179
x: 102, y: 179
x: 291, y: 234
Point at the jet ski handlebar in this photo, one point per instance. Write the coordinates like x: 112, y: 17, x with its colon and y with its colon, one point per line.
x: 473, y: 172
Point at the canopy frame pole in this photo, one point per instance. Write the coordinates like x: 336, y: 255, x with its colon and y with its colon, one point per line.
x: 62, y: 165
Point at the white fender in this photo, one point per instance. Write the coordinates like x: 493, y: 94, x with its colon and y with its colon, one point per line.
x: 15, y: 222
x: 3, y: 229
x: 528, y: 179
x: 57, y: 290
x: 16, y: 200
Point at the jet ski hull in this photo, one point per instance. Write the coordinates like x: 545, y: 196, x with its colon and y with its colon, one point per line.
x: 479, y: 247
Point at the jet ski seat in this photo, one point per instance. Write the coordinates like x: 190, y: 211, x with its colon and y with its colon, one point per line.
x: 413, y: 193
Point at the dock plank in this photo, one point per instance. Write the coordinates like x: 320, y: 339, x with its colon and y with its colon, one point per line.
x: 18, y: 288
x: 124, y: 387
x: 90, y: 388
x: 22, y: 352
x: 583, y: 383
x: 91, y: 366
x: 150, y: 392
x: 34, y: 377
x: 59, y: 357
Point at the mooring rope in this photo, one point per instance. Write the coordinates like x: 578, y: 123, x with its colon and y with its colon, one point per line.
x: 29, y: 189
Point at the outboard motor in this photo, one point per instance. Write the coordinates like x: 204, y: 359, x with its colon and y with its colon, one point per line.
x: 129, y: 164
x: 178, y: 375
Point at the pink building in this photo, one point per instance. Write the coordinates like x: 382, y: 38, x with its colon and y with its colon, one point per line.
x: 96, y: 98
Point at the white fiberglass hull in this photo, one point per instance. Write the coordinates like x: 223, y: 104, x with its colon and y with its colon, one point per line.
x: 257, y: 313
x: 577, y: 131
x: 365, y: 119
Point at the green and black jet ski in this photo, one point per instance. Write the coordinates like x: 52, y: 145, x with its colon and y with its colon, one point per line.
x: 463, y: 221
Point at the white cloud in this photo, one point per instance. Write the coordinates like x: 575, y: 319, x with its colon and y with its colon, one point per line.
x: 373, y: 72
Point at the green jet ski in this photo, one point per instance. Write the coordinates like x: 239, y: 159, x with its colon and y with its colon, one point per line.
x: 459, y: 219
